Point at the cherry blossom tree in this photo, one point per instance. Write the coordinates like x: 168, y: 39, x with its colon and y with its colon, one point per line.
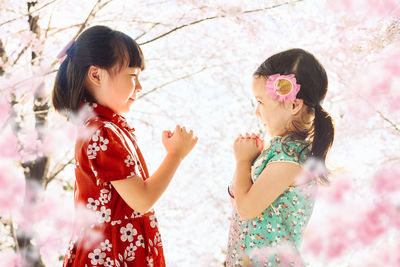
x: 200, y: 57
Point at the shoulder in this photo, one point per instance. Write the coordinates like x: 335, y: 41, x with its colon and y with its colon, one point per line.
x: 99, y: 128
x: 288, y: 149
x: 97, y: 133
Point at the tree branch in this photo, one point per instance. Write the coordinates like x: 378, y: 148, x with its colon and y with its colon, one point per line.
x: 96, y: 8
x: 29, y: 13
x: 144, y: 33
x: 54, y: 175
x: 169, y: 82
x: 3, y: 57
x: 91, y: 15
x: 215, y: 17
x: 388, y: 120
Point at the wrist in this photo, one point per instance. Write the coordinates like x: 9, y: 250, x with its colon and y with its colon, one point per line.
x: 174, y: 156
x: 245, y: 164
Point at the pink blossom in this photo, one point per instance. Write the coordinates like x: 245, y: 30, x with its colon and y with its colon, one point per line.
x: 394, y: 104
x: 5, y: 111
x: 59, y: 139
x: 13, y: 188
x: 366, y: 8
x: 8, y: 145
x: 387, y: 180
x: 337, y: 190
x: 354, y: 223
x: 10, y: 258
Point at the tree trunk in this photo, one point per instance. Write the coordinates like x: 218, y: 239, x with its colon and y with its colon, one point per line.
x: 36, y: 170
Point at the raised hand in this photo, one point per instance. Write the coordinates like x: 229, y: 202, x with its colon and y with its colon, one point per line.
x: 179, y: 142
x: 247, y: 148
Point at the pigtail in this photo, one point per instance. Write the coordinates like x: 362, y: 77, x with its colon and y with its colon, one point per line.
x: 60, y: 95
x: 322, y: 136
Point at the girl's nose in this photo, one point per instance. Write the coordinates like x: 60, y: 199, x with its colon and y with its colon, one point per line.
x: 138, y: 87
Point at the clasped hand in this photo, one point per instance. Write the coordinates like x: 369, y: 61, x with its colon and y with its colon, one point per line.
x: 247, y: 148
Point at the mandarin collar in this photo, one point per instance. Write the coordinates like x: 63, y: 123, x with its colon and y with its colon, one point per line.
x: 99, y: 111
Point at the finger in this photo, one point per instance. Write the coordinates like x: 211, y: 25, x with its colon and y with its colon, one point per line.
x: 165, y: 134
x: 191, y: 132
x: 184, y: 129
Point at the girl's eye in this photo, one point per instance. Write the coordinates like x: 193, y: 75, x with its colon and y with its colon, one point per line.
x: 259, y: 102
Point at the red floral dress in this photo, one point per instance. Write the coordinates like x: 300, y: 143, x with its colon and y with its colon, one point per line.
x: 107, y: 232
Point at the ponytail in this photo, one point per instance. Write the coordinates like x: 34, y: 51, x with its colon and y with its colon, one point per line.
x: 60, y: 93
x: 322, y: 136
x: 312, y: 78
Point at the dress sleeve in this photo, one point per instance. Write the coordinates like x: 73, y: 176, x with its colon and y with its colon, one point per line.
x: 109, y: 156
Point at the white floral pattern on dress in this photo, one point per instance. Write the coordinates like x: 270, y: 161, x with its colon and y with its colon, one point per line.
x: 149, y: 261
x: 155, y: 243
x: 129, y: 161
x: 103, y: 215
x: 92, y: 151
x: 128, y: 232
x: 140, y: 241
x: 97, y: 257
x: 153, y: 221
x: 103, y: 143
x: 92, y: 204
x: 130, y: 251
x: 108, y: 262
x: 96, y: 135
x: 106, y: 245
x: 105, y: 196
x: 136, y: 214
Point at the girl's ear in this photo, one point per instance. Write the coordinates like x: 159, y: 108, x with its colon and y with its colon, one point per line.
x: 94, y: 76
x: 296, y: 106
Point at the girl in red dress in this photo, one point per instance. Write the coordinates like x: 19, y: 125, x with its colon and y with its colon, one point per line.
x: 114, y: 222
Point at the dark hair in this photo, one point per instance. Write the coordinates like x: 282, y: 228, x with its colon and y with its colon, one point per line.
x: 97, y: 46
x: 311, y: 76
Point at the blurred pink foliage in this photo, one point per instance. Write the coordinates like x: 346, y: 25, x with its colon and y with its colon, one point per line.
x: 11, y: 199
x: 366, y: 7
x: 288, y: 255
x: 10, y: 258
x: 355, y: 222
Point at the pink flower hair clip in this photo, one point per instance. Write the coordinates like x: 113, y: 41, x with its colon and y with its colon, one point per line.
x: 63, y: 53
x: 282, y: 87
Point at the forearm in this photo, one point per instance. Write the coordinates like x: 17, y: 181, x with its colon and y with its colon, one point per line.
x: 157, y: 183
x: 142, y: 195
x: 242, y: 185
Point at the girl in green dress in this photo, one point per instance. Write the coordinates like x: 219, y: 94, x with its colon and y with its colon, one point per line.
x: 271, y: 206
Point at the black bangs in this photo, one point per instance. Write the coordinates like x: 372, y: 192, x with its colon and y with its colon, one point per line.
x: 96, y: 46
x: 128, y: 51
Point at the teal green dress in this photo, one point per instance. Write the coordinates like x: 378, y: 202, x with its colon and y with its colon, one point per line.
x: 268, y: 239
